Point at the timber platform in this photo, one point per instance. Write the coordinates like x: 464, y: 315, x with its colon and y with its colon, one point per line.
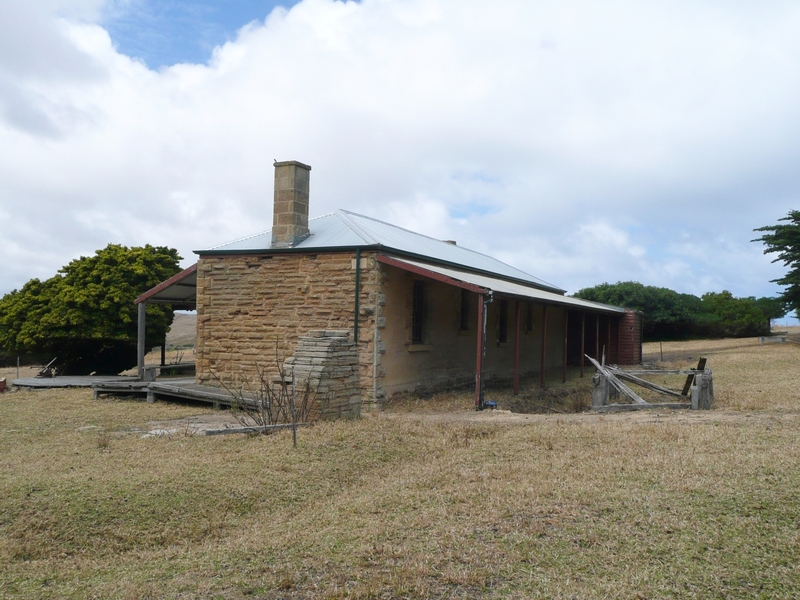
x: 168, y: 388
x: 69, y: 381
x: 183, y: 388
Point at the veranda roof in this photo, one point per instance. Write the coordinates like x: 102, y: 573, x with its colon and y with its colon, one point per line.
x: 483, y: 284
x: 179, y: 290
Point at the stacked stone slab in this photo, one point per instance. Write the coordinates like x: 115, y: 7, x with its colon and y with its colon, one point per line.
x: 328, y: 361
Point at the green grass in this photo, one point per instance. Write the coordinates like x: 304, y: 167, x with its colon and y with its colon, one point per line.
x: 674, y: 505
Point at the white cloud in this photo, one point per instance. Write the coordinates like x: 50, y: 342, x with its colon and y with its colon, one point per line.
x: 583, y: 142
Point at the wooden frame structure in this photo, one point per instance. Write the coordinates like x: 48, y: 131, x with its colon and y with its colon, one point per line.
x: 179, y: 291
x: 697, y: 393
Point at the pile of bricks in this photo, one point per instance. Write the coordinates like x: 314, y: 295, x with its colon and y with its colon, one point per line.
x: 328, y: 361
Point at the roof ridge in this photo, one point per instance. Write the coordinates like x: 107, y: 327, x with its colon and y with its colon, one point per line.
x: 344, y: 216
x: 462, y: 248
x: 349, y: 212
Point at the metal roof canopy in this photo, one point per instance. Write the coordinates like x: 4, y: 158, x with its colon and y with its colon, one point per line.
x: 180, y: 291
x: 345, y: 230
x: 482, y: 284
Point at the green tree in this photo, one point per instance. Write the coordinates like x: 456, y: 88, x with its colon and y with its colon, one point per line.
x: 733, y: 317
x: 670, y: 315
x: 85, y: 315
x: 773, y: 308
x: 784, y: 240
x: 667, y: 314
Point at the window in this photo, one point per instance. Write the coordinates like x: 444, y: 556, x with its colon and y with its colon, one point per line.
x: 418, y: 312
x: 502, y: 321
x: 464, y: 310
x: 528, y: 317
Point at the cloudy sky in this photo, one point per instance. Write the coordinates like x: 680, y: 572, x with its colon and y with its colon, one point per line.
x: 582, y: 142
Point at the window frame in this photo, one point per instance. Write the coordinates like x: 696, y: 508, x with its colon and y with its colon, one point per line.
x: 418, y: 312
x: 529, y: 320
x: 464, y: 314
x: 502, y: 320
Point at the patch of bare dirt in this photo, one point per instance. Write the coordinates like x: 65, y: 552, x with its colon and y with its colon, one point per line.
x: 194, y: 425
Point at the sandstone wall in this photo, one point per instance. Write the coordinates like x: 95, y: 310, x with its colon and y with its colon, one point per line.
x: 248, y: 306
x: 327, y: 362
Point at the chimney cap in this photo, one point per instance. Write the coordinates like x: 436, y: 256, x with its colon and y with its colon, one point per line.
x: 288, y: 163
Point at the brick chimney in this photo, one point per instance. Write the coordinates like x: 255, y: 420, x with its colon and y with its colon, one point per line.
x: 290, y: 212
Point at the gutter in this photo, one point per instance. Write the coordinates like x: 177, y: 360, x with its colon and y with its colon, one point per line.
x: 380, y: 248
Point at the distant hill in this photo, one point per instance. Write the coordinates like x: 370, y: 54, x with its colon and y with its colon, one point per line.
x: 183, y: 331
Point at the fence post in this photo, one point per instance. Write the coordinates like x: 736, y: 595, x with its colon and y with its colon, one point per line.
x: 705, y: 391
x: 294, y: 414
x: 702, y: 391
x: 599, y: 390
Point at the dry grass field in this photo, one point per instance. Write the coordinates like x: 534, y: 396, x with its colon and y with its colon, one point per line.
x: 429, y: 500
x: 183, y: 331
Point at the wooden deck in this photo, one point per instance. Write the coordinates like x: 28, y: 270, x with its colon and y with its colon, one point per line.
x: 184, y: 388
x: 187, y: 389
x: 70, y: 381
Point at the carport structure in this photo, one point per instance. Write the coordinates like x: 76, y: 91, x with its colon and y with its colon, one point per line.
x: 179, y: 291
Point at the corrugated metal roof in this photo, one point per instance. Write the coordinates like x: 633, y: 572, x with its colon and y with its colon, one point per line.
x: 506, y: 287
x: 345, y: 229
x: 179, y: 290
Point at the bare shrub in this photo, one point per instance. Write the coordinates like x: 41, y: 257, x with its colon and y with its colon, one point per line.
x: 274, y: 400
x: 103, y: 441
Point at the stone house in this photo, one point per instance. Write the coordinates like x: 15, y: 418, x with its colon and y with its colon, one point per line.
x: 412, y: 313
